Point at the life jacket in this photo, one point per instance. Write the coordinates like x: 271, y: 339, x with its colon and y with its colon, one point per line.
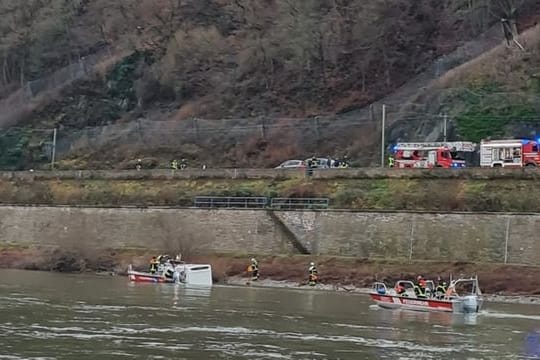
x: 441, y: 288
x: 419, y: 291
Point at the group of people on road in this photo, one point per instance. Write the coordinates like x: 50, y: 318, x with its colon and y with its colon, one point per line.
x: 421, y: 289
x: 174, y: 164
x: 327, y: 162
x: 313, y: 275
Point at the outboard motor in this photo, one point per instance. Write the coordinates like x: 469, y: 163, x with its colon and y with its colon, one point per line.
x: 470, y: 304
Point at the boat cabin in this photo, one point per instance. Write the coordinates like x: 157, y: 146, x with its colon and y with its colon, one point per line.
x: 407, y: 285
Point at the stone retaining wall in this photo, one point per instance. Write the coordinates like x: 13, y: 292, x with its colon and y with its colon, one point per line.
x: 467, y: 237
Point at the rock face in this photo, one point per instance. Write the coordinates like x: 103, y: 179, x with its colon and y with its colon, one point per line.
x: 482, y: 238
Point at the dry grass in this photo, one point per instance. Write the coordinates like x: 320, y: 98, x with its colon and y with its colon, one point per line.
x: 365, y: 194
x: 492, y: 62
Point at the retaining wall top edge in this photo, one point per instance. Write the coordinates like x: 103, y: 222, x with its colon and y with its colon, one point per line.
x: 370, y: 211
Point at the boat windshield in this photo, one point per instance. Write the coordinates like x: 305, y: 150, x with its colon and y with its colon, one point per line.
x: 466, y: 287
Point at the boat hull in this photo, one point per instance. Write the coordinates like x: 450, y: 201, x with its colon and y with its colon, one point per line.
x: 402, y: 302
x: 136, y: 276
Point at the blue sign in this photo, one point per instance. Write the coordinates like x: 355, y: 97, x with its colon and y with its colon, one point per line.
x: 532, y: 344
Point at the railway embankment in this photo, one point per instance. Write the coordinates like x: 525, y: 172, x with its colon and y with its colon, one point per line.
x: 440, y: 190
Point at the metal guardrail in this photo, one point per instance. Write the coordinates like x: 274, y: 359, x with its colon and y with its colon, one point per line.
x: 230, y: 202
x: 300, y: 203
x: 260, y: 202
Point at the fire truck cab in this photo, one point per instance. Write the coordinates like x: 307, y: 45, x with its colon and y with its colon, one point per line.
x: 509, y: 153
x: 430, y: 155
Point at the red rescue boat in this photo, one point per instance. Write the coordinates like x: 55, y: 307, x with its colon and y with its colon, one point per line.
x: 462, y: 296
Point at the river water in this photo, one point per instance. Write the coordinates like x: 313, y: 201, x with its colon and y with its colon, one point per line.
x: 59, y: 316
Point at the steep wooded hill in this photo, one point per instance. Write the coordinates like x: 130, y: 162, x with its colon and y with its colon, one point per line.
x: 259, y: 64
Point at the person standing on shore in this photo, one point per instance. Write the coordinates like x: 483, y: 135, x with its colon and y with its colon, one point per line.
x: 313, y: 274
x: 253, y: 268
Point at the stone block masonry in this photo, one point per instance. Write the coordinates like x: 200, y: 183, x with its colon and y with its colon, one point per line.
x: 470, y: 237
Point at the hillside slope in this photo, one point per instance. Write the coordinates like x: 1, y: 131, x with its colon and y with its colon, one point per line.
x: 278, y: 71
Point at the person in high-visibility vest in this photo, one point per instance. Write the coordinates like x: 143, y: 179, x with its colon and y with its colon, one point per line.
x: 154, y: 265
x: 174, y: 164
x: 313, y: 274
x: 420, y: 286
x: 253, y: 268
x: 390, y: 161
x: 441, y: 288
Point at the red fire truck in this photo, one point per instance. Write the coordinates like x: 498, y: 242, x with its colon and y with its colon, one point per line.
x: 509, y: 153
x: 429, y: 155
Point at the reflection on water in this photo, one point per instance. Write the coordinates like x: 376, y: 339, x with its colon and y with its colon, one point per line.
x: 53, y: 316
x: 433, y: 318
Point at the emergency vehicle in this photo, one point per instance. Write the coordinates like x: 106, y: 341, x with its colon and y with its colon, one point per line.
x: 430, y: 154
x: 509, y: 153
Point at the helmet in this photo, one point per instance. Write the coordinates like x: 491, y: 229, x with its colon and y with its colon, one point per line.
x: 252, y: 259
x: 312, y: 264
x: 419, y: 277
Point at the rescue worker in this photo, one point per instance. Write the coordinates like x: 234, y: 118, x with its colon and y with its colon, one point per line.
x: 154, y: 265
x: 345, y: 161
x: 314, y: 163
x: 313, y: 275
x: 420, y: 287
x: 400, y: 289
x: 441, y: 288
x: 253, y: 268
x: 390, y: 161
x: 174, y: 164
x: 183, y: 164
x: 162, y: 259
x: 138, y: 166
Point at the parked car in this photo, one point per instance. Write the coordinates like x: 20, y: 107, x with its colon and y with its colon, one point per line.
x: 291, y: 164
